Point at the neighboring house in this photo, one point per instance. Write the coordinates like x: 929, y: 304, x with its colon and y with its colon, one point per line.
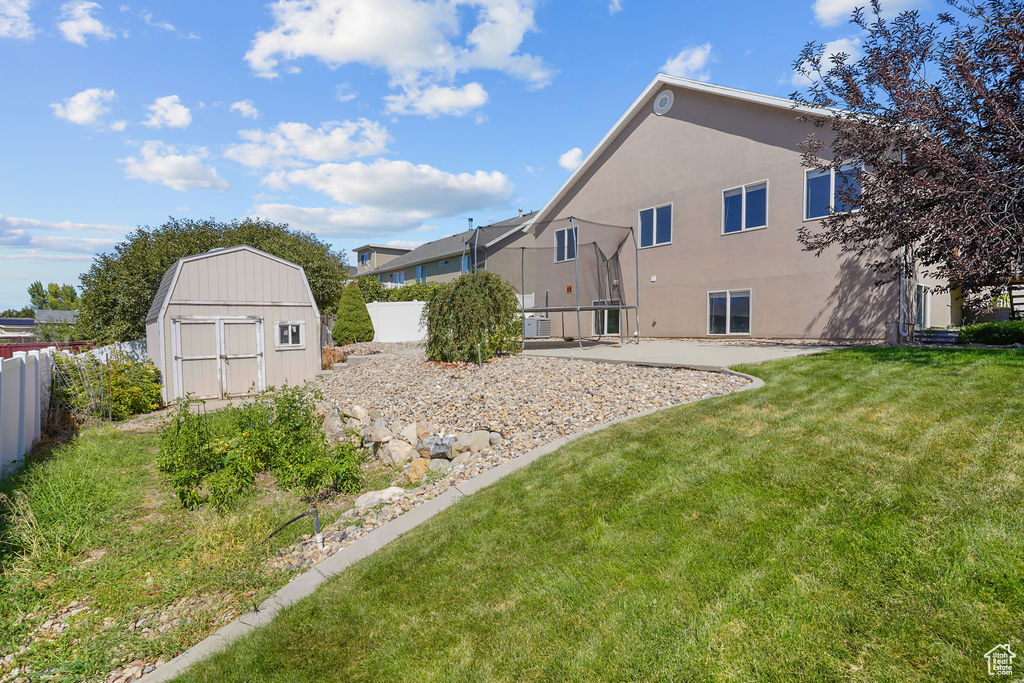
x: 490, y: 247
x: 373, y: 256
x: 232, y: 321
x: 711, y: 179
x: 17, y: 329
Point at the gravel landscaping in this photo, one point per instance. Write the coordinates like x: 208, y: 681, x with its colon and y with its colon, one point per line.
x: 528, y: 401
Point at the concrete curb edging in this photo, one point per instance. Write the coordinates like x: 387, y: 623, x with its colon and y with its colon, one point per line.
x: 306, y: 583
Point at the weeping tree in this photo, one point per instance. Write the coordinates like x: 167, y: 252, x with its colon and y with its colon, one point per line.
x: 932, y: 111
x: 472, y: 318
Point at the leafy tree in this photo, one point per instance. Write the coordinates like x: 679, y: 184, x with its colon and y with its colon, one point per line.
x: 53, y: 296
x: 119, y: 287
x: 473, y: 317
x: 934, y: 110
x: 27, y: 312
x: 371, y: 288
x: 374, y: 290
x: 353, y: 323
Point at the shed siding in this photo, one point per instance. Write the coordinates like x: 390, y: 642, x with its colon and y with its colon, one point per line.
x: 241, y: 276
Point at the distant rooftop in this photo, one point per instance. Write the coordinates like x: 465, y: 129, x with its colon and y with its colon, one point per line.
x: 45, y: 315
x: 382, y: 247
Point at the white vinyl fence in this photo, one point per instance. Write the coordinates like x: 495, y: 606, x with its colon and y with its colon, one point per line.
x: 397, y: 321
x: 25, y: 383
x: 134, y: 350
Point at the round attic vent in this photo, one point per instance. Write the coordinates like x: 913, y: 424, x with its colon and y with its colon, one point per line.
x: 663, y: 102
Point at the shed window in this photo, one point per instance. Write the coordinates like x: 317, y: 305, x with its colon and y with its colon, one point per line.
x: 291, y: 334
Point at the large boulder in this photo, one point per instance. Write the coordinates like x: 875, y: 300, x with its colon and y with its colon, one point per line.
x: 332, y: 424
x: 409, y: 433
x: 397, y: 453
x: 423, y: 446
x: 495, y: 439
x: 479, y: 440
x: 418, y: 468
x: 380, y: 434
x: 442, y: 448
x: 440, y: 465
x: 356, y: 411
x: 371, y: 498
x: 425, y: 429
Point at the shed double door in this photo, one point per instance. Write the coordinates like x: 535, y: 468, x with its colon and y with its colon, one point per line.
x: 218, y: 357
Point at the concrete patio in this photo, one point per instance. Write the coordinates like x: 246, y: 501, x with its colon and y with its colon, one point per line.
x: 697, y: 354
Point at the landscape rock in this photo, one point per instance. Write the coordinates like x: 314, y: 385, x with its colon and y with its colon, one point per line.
x: 371, y: 498
x: 397, y: 453
x: 356, y: 412
x: 494, y: 439
x: 464, y: 458
x: 417, y: 468
x: 380, y: 434
x: 440, y: 465
x: 479, y: 440
x: 442, y: 448
x: 410, y: 433
x: 425, y: 429
x: 332, y: 424
x: 423, y: 446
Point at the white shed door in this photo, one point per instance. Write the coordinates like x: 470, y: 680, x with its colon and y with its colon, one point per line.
x: 218, y: 357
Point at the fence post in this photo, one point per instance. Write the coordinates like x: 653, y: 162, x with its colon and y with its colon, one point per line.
x: 33, y: 376
x: 19, y: 372
x: 3, y: 406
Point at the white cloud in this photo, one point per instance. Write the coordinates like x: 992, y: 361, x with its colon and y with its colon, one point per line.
x: 147, y: 17
x: 405, y: 244
x: 84, y: 108
x: 400, y: 186
x: 436, y: 100
x: 345, y: 93
x: 168, y: 111
x: 14, y: 19
x: 77, y: 22
x: 340, y: 221
x: 292, y: 143
x: 160, y: 163
x: 572, y: 159
x: 246, y: 109
x: 851, y: 46
x: 615, y: 6
x: 24, y: 239
x: 835, y: 12
x: 419, y: 43
x: 119, y: 125
x: 14, y: 223
x: 691, y: 62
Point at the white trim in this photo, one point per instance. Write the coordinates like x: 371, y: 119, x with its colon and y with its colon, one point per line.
x: 301, y: 346
x: 728, y: 311
x: 743, y: 205
x: 650, y: 91
x: 671, y: 227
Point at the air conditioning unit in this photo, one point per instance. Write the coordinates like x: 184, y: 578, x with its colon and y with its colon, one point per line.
x: 537, y: 328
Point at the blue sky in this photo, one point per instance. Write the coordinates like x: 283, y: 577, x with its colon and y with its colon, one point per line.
x: 359, y: 120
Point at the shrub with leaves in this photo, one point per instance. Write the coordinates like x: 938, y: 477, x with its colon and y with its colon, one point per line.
x: 215, y: 458
x: 373, y: 290
x: 475, y: 316
x: 353, y: 323
x: 996, y: 333
x: 116, y: 389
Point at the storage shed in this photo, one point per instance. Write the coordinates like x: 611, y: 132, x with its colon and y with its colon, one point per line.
x: 231, y: 322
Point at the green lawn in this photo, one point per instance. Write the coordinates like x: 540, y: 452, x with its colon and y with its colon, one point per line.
x: 862, y: 516
x: 93, y: 520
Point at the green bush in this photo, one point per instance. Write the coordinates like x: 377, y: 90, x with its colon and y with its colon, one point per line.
x: 1001, y: 333
x: 373, y: 290
x: 215, y: 459
x: 116, y: 389
x: 353, y: 323
x: 475, y: 316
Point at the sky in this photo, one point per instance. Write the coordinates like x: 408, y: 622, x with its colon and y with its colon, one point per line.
x: 362, y: 121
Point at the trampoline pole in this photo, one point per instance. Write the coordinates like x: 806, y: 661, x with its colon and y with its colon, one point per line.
x: 576, y: 278
x: 636, y: 254
x: 522, y: 293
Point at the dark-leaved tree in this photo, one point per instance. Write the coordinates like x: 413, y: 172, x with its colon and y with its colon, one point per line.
x: 933, y: 111
x: 119, y: 287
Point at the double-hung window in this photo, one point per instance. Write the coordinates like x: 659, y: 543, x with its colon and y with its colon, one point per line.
x: 399, y: 277
x: 565, y: 244
x: 364, y: 257
x: 656, y: 226
x: 421, y: 273
x: 729, y: 312
x: 828, y: 191
x: 745, y: 208
x: 291, y: 335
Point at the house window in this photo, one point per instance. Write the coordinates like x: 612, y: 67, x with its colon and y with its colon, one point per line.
x: 606, y: 322
x: 364, y: 257
x: 823, y: 190
x: 565, y: 244
x: 745, y: 208
x: 444, y: 262
x: 656, y: 226
x: 923, y: 307
x: 421, y: 273
x: 398, y: 278
x: 729, y: 312
x: 467, y: 263
x: 291, y: 334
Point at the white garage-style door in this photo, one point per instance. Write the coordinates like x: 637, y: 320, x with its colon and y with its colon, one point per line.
x: 217, y: 357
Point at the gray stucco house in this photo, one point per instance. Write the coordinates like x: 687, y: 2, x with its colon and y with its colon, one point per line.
x: 711, y: 180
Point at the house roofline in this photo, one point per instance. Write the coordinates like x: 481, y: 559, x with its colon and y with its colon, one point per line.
x: 381, y: 246
x: 654, y: 86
